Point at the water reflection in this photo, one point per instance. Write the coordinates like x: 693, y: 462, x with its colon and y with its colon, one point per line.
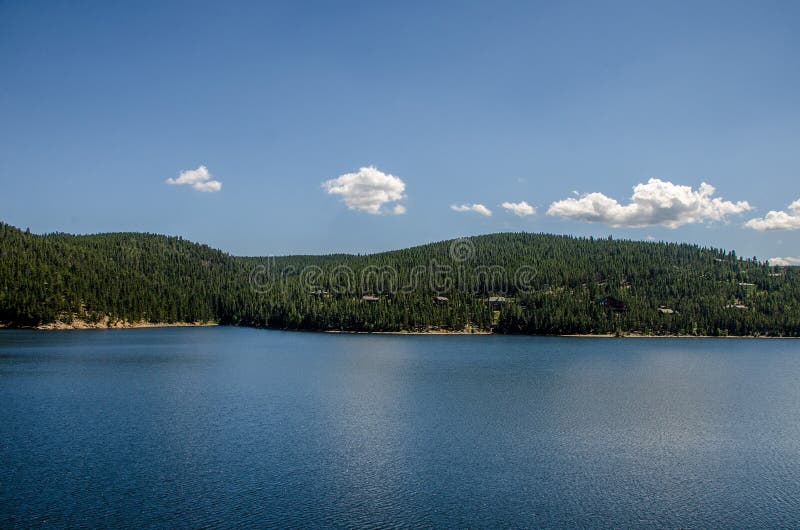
x: 200, y: 427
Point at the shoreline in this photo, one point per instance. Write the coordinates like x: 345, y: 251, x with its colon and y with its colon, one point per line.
x: 638, y: 336
x: 567, y: 335
x: 102, y: 325
x: 432, y: 332
x: 108, y: 325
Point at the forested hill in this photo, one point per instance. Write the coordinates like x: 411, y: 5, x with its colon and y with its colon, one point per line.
x: 507, y: 283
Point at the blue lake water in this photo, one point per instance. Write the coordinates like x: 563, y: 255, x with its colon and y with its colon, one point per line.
x: 189, y: 427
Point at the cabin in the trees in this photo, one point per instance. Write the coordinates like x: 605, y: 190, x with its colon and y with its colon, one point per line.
x: 370, y: 298
x: 441, y: 300
x: 497, y: 301
x: 736, y: 305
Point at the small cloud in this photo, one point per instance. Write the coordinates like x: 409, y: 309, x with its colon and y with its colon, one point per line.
x: 649, y: 238
x: 784, y: 262
x: 654, y: 203
x: 477, y: 208
x: 778, y: 220
x: 199, y: 179
x: 521, y: 209
x: 368, y: 190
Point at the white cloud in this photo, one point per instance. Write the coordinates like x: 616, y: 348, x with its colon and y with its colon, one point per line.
x: 368, y: 190
x: 778, y: 220
x: 656, y: 202
x: 199, y: 179
x: 784, y: 262
x: 519, y: 208
x: 477, y: 208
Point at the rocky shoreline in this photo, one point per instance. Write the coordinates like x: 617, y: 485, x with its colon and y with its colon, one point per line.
x: 106, y: 323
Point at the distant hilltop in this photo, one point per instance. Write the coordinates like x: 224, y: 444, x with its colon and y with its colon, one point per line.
x: 500, y: 283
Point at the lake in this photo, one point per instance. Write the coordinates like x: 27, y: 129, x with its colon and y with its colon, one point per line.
x: 190, y: 427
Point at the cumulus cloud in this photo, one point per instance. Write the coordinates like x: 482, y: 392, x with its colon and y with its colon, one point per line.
x: 519, y: 208
x: 778, y: 220
x: 784, y: 262
x: 199, y: 179
x: 477, y: 208
x: 656, y: 202
x: 368, y: 190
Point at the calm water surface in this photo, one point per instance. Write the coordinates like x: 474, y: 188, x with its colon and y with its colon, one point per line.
x: 228, y: 427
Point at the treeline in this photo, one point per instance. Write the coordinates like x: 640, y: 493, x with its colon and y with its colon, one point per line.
x: 509, y: 283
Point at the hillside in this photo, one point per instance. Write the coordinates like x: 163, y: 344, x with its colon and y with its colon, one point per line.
x: 508, y: 283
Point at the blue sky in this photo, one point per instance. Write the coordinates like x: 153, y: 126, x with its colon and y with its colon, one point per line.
x: 461, y: 103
